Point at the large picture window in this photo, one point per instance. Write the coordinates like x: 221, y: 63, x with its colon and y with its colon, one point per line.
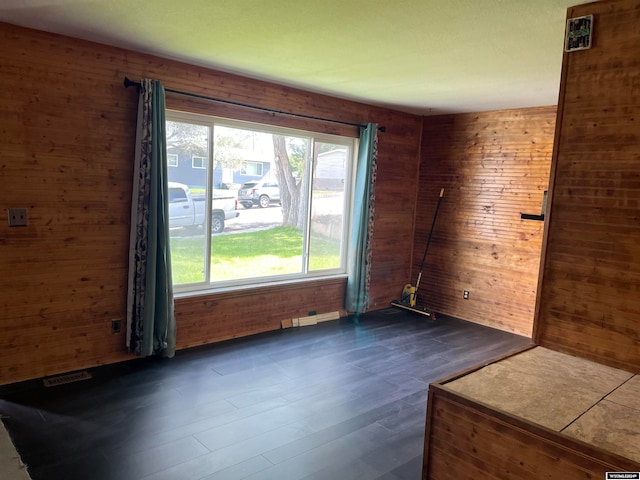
x: 290, y: 224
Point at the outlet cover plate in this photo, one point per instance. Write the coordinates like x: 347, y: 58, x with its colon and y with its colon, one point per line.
x: 116, y: 325
x: 17, y: 217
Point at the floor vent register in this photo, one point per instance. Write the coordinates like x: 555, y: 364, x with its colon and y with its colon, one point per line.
x: 66, y: 378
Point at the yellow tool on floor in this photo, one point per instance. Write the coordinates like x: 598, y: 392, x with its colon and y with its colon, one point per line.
x: 409, y: 298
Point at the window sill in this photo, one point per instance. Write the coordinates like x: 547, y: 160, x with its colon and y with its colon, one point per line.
x: 298, y: 282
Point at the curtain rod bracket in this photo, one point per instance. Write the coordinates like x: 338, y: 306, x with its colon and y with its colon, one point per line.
x: 130, y: 83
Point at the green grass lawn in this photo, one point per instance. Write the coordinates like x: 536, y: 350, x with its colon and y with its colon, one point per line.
x: 276, y: 251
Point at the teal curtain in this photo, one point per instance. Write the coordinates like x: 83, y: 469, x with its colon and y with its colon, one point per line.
x: 151, y: 325
x: 359, y: 256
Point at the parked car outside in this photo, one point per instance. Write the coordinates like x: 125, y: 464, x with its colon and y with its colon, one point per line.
x: 188, y: 211
x: 259, y: 192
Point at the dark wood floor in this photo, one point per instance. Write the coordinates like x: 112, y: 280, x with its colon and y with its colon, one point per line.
x: 339, y: 401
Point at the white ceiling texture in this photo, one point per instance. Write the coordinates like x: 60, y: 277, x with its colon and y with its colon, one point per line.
x: 419, y: 56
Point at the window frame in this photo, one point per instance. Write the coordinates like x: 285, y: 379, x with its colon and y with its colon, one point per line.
x: 244, y: 170
x: 204, y: 162
x: 172, y: 160
x: 306, y: 275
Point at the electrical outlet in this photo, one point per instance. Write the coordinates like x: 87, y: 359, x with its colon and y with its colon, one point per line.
x: 465, y: 294
x: 116, y: 325
x: 17, y: 217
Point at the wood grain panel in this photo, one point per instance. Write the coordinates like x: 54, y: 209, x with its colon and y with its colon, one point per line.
x: 493, y: 166
x: 467, y: 440
x: 213, y: 319
x: 590, y: 281
x: 67, y: 129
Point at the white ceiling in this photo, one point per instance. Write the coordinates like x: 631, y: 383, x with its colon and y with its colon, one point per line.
x: 419, y: 56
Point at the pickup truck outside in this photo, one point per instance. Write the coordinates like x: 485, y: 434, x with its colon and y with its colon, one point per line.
x: 187, y: 210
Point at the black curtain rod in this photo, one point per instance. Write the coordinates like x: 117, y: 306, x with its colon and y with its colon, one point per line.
x: 130, y: 83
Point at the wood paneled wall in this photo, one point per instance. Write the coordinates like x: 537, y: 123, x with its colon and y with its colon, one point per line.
x: 589, y: 300
x: 66, y: 150
x: 493, y: 167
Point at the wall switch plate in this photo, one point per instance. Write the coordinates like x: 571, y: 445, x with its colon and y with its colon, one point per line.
x: 17, y: 217
x: 465, y: 294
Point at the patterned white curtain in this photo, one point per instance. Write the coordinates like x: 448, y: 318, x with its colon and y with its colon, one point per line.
x: 151, y: 325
